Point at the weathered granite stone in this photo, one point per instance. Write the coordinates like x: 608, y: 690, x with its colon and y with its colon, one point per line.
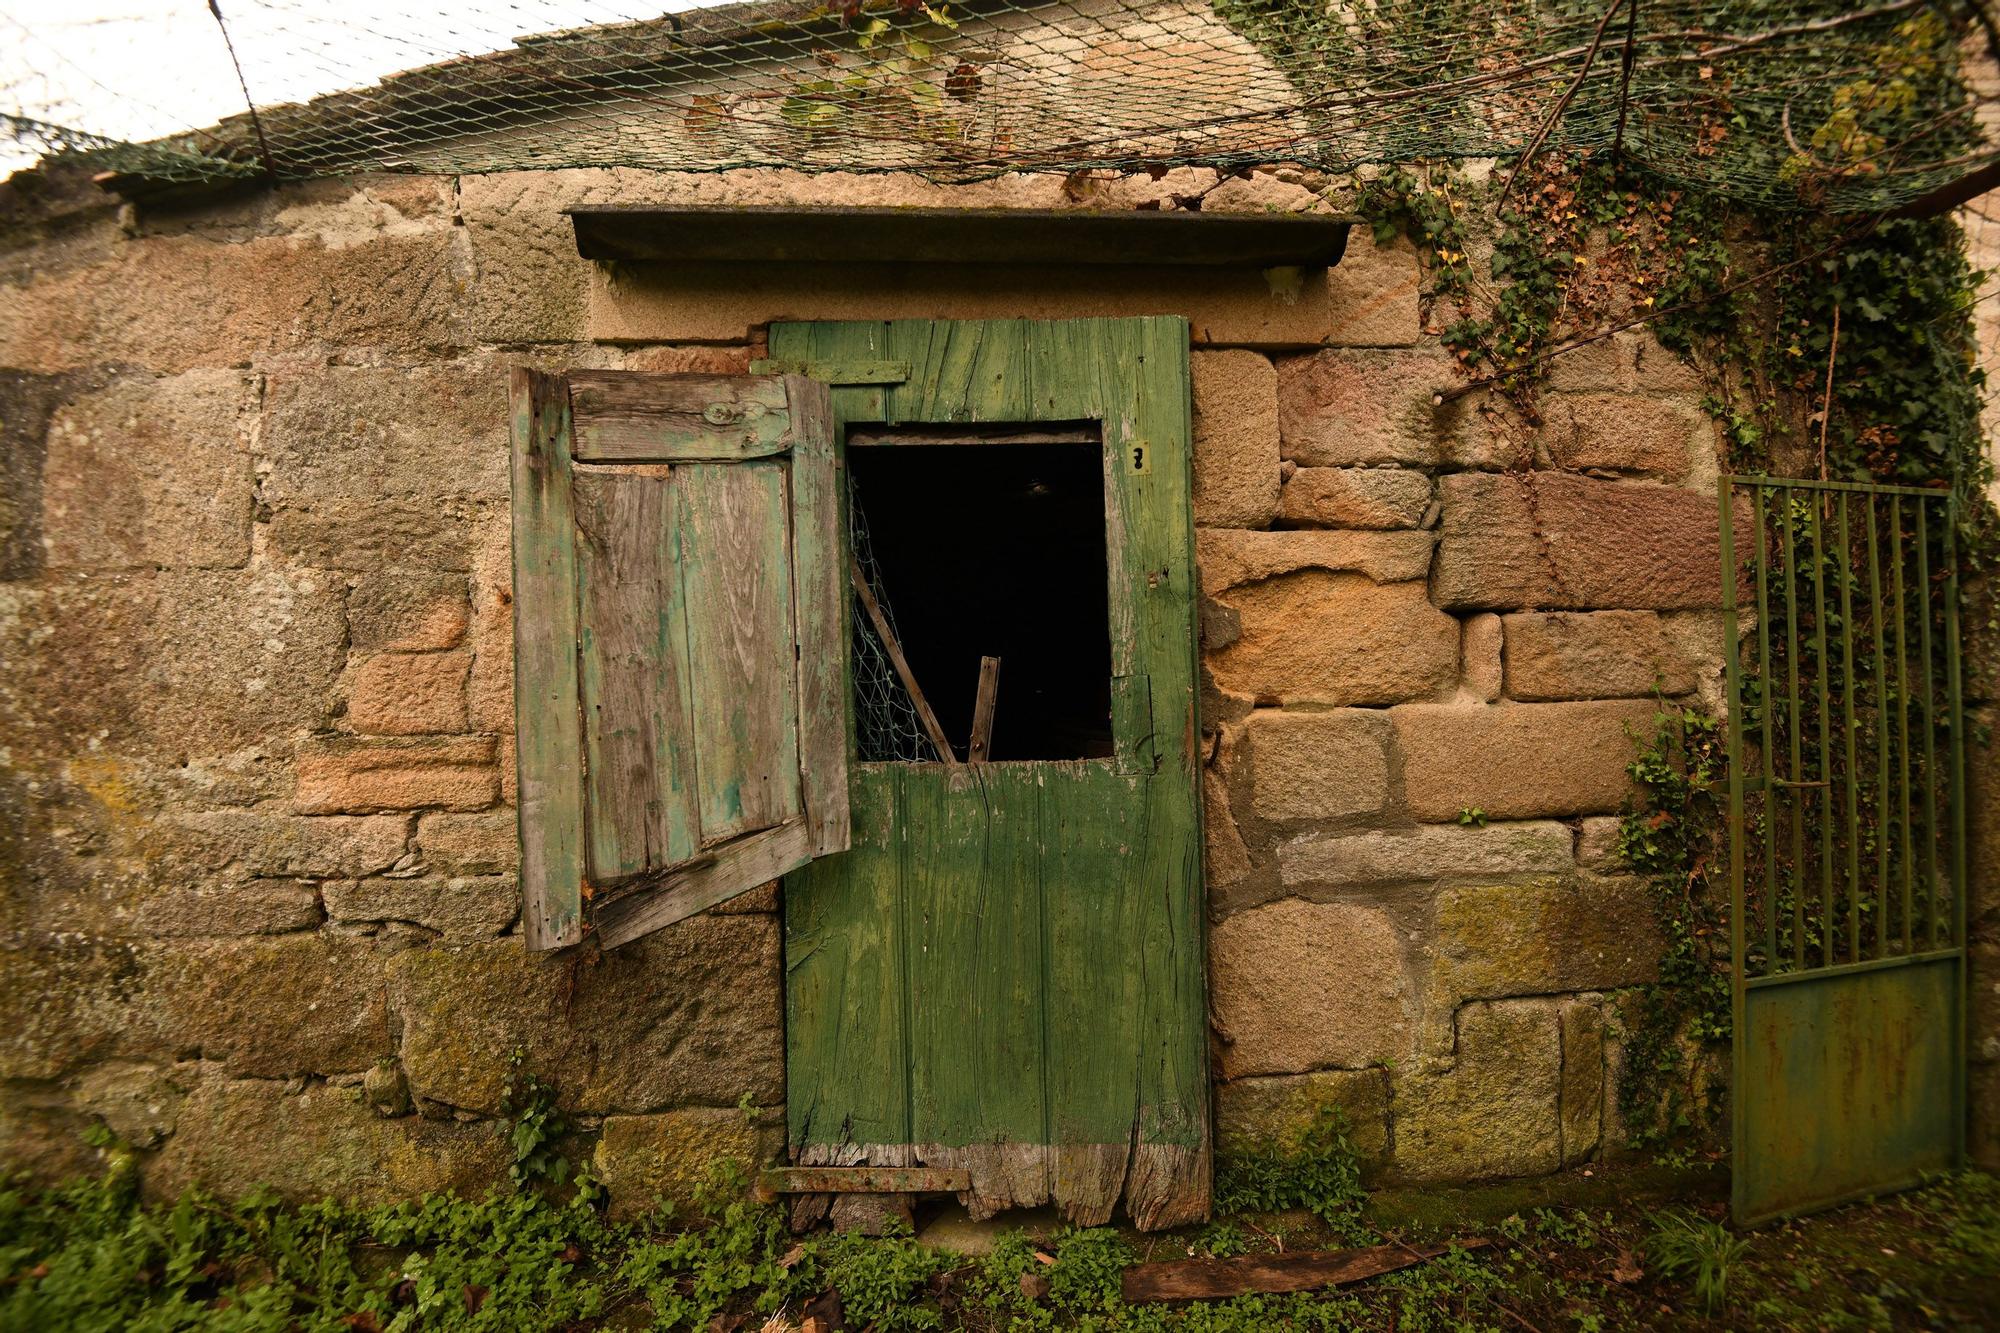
x: 1342, y: 409
x: 1496, y: 1112
x: 263, y: 844
x: 232, y: 1136
x: 138, y: 1102
x: 406, y: 610
x: 1629, y: 362
x: 459, y: 909
x: 1553, y: 540
x: 270, y: 1007
x: 1479, y: 656
x: 1373, y: 293
x: 1354, y: 497
x: 255, y: 298
x: 486, y: 843
x: 692, y: 1013
x: 1655, y: 437
x: 1235, y: 439
x: 1276, y: 1114
x: 1226, y: 858
x: 152, y: 473
x: 1518, y: 761
x: 1593, y: 655
x: 1228, y: 558
x: 1319, y: 638
x: 660, y: 1161
x: 1551, y: 936
x: 407, y: 694
x: 1597, y: 842
x: 1298, y: 986
x: 1583, y: 1086
x: 346, y: 775
x: 171, y: 665
x: 1429, y: 852
x: 1318, y: 765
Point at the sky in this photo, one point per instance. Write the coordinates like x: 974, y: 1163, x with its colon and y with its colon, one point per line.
x: 138, y: 69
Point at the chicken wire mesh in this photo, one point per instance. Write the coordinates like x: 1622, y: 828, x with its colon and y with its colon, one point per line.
x: 1787, y: 103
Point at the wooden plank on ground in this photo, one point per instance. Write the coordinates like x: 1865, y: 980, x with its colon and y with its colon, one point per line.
x: 548, y: 728
x: 1273, y: 1274
x: 983, y: 700
x: 862, y: 1180
x: 632, y: 649
x: 629, y: 417
x: 736, y: 577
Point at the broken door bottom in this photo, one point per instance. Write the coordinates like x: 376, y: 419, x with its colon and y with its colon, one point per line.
x: 1162, y: 1184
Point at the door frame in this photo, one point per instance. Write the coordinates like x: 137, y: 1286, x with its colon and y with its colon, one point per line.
x: 1132, y: 377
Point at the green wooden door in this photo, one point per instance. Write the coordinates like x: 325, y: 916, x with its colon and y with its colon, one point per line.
x: 1005, y: 972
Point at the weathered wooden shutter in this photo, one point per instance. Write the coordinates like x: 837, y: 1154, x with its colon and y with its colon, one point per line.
x: 679, y: 644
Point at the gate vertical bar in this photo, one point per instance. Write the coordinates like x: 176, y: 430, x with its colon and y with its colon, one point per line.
x: 1882, y: 794
x: 1816, y: 547
x: 1795, y: 709
x: 1766, y: 695
x: 1961, y: 888
x: 1848, y: 683
x: 1930, y: 721
x: 1907, y: 845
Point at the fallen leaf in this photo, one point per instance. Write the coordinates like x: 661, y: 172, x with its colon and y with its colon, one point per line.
x: 1627, y: 1271
x: 791, y: 1256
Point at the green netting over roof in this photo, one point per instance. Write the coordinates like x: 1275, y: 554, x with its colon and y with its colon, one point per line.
x: 1791, y: 103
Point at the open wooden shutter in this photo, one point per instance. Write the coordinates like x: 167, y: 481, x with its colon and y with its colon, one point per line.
x: 679, y: 644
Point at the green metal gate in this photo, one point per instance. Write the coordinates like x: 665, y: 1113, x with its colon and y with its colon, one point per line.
x: 1846, y: 840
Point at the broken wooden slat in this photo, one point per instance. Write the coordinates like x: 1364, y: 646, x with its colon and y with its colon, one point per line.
x: 982, y: 711
x: 894, y: 649
x: 862, y: 1180
x: 1274, y: 1274
x: 630, y: 417
x: 714, y: 878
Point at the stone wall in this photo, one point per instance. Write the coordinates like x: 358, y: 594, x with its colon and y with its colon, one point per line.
x: 257, y: 865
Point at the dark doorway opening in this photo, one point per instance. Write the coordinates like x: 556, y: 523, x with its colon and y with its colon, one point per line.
x: 984, y: 543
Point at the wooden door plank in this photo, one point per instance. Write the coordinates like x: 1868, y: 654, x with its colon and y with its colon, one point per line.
x: 1169, y: 1181
x: 819, y: 547
x: 972, y: 889
x: 847, y: 1065
x: 736, y: 582
x: 626, y: 416
x: 632, y: 647
x: 1090, y: 822
x: 548, y: 731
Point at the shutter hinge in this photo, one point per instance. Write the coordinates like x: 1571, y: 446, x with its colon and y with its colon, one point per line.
x: 836, y: 372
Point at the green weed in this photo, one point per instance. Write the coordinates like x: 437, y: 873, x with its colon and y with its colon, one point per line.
x: 1699, y: 1251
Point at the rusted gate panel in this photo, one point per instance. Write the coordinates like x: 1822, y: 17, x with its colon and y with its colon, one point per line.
x: 1846, y: 840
